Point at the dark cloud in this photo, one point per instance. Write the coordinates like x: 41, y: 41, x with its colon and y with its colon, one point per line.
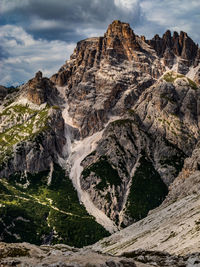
x: 176, y: 15
x: 72, y: 20
x: 63, y: 19
x: 3, y: 53
x: 41, y: 34
x: 21, y: 55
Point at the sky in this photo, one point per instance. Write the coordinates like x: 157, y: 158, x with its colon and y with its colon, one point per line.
x: 42, y: 34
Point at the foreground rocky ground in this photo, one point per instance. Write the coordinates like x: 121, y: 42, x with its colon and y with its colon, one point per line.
x: 112, y: 135
x: 25, y: 254
x: 59, y: 255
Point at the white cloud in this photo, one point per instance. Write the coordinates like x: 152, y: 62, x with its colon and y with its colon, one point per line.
x: 175, y: 15
x: 44, y: 24
x: 126, y: 4
x: 27, y: 55
x: 8, y: 5
x: 22, y: 55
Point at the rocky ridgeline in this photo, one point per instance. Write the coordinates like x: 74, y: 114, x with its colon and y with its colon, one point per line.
x: 120, y: 74
x: 31, y: 134
x: 101, y: 70
x: 41, y: 90
x: 148, y: 91
x: 170, y: 46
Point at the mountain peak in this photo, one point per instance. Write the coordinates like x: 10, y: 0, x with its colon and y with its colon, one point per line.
x: 120, y: 29
x: 38, y: 75
x: 180, y: 45
x: 121, y: 39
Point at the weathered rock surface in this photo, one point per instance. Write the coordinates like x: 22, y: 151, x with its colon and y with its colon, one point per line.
x: 106, y: 75
x: 158, y: 258
x: 150, y: 92
x: 35, y: 144
x: 173, y: 229
x: 170, y: 46
x: 25, y: 254
x: 161, y: 130
x: 41, y: 90
x: 59, y: 255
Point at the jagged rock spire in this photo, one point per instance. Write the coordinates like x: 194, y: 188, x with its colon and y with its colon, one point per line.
x: 121, y: 38
x: 181, y: 45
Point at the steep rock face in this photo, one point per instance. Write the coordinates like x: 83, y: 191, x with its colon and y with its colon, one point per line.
x: 114, y: 166
x: 157, y: 133
x: 30, y: 138
x: 103, y: 71
x: 188, y: 181
x: 159, y: 127
x: 31, y: 128
x: 171, y: 108
x: 41, y: 90
x: 177, y: 45
x: 120, y: 42
x: 154, y: 123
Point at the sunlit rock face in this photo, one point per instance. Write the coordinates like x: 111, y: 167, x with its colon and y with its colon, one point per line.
x: 101, y: 70
x: 121, y: 117
x: 41, y: 90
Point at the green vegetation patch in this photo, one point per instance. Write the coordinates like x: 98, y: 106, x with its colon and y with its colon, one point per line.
x: 104, y: 171
x: 175, y: 161
x: 42, y: 214
x: 147, y: 190
x: 192, y: 84
x: 121, y: 122
x: 172, y: 76
x: 21, y: 123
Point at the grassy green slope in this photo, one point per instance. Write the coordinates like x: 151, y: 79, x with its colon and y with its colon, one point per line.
x: 40, y: 214
x: 20, y: 123
x: 147, y: 190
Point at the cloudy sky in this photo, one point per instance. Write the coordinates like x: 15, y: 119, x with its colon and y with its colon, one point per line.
x: 41, y: 34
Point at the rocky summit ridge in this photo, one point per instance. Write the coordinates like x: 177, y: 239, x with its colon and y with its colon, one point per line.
x: 98, y: 146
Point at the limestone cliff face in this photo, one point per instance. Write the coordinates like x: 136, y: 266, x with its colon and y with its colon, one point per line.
x: 101, y: 70
x: 31, y: 129
x: 160, y: 130
x: 121, y: 74
x: 170, y: 46
x: 41, y: 90
x: 138, y: 101
x: 120, y: 42
x: 35, y: 146
x: 31, y: 132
